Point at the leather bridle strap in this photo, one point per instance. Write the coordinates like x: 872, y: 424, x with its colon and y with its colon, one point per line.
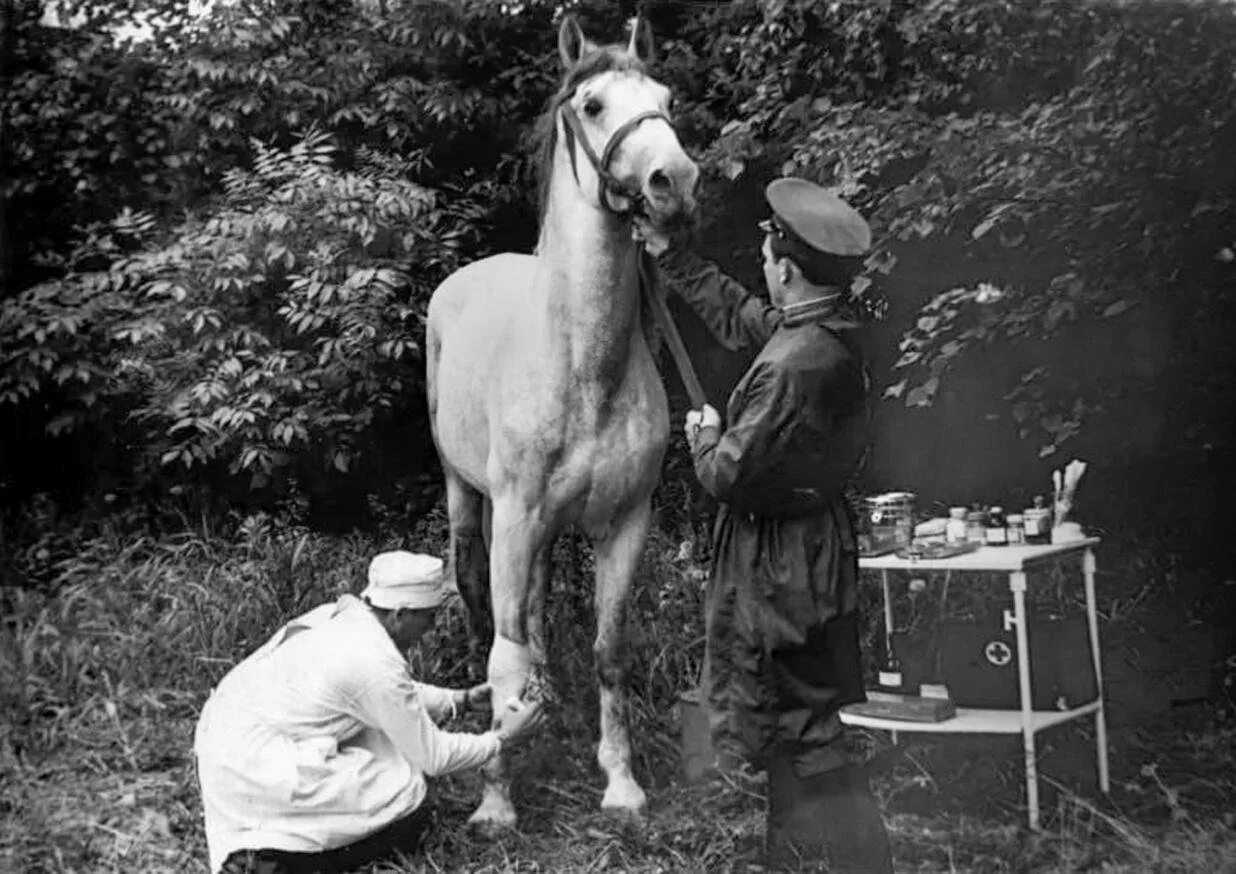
x: 606, y: 182
x: 665, y: 322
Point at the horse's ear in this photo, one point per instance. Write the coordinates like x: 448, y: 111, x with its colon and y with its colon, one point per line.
x: 571, y: 42
x: 641, y: 44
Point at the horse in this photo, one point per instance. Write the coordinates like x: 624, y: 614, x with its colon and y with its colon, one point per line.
x: 546, y: 406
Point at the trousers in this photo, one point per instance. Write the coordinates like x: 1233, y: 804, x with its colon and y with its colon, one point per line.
x: 404, y: 835
x: 829, y: 815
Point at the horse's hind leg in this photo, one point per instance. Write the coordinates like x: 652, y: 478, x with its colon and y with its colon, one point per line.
x: 617, y: 558
x: 468, y: 554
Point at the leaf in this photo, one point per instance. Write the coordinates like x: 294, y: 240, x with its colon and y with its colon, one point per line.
x: 895, y: 390
x: 733, y: 168
x: 340, y: 461
x: 922, y: 395
x: 982, y: 228
x: 1117, y: 308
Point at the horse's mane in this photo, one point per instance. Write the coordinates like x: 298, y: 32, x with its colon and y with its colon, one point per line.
x: 602, y: 59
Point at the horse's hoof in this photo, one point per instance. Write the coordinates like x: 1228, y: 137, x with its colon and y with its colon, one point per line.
x: 624, y: 800
x: 490, y: 825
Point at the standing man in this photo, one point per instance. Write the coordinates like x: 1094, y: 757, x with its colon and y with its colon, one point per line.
x: 313, y: 752
x: 782, y: 651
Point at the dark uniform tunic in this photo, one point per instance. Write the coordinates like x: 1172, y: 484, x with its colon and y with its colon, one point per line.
x: 782, y: 650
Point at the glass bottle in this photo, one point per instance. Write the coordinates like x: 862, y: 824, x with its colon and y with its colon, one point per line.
x: 890, y: 674
x: 955, y: 529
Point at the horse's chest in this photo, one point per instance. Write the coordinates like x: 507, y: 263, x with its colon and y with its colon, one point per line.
x: 602, y: 457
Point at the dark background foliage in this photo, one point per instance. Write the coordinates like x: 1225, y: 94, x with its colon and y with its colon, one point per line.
x: 220, y: 239
x: 217, y: 243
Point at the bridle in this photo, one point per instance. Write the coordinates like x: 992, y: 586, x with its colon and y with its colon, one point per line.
x: 606, y: 182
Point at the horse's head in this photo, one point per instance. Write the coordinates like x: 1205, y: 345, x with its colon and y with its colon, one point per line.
x: 616, y: 119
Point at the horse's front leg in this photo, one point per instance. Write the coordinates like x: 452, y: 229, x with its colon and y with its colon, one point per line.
x: 516, y: 544
x: 617, y: 558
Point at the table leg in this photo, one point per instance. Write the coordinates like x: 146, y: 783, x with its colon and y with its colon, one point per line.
x: 1100, y: 718
x: 1017, y: 584
x: 888, y: 623
x: 888, y: 609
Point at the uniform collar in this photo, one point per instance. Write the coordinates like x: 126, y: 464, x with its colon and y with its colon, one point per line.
x: 823, y: 310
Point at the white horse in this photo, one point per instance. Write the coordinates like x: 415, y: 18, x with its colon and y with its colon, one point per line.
x: 546, y: 405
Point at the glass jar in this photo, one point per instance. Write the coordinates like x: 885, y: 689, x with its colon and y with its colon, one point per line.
x: 996, y: 532
x: 1037, y: 520
x: 1017, y: 529
x: 975, y: 532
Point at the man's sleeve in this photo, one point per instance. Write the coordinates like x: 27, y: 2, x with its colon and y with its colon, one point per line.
x: 729, y: 462
x: 439, y: 702
x: 736, y: 317
x: 396, y: 705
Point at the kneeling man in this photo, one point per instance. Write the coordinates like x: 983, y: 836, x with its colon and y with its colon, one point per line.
x: 313, y: 753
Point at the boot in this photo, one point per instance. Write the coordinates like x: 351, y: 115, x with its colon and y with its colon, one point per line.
x: 828, y: 816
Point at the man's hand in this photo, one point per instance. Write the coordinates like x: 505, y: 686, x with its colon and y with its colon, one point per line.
x: 702, y: 418
x: 478, y: 697
x: 520, y: 719
x: 654, y: 241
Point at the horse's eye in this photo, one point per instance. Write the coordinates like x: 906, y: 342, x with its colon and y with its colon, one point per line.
x: 592, y: 107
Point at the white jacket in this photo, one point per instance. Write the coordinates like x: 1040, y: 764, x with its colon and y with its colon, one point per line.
x: 322, y: 737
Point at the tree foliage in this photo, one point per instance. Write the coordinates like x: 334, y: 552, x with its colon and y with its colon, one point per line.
x: 280, y: 324
x: 225, y: 232
x: 1076, y: 149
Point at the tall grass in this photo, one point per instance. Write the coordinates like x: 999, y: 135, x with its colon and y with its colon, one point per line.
x: 109, y: 654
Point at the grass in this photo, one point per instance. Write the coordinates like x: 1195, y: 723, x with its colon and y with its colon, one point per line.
x: 110, y: 651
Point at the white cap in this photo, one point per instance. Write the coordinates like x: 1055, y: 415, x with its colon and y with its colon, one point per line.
x: 405, y: 579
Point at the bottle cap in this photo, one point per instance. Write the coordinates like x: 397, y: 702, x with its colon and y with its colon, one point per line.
x: 1013, y: 518
x: 957, y: 512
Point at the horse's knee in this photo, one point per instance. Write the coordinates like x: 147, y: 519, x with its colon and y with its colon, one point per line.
x: 611, y: 669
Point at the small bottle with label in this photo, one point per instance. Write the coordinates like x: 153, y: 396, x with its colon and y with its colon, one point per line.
x: 890, y: 675
x: 955, y: 528
x: 1017, y: 529
x: 975, y: 527
x: 1037, y: 520
x: 996, y: 533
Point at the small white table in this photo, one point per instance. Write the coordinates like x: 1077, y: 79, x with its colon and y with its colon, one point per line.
x: 1017, y: 561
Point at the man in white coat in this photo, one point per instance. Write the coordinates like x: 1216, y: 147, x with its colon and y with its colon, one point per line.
x: 313, y: 753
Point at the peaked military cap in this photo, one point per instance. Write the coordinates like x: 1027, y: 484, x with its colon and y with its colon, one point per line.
x: 818, y: 217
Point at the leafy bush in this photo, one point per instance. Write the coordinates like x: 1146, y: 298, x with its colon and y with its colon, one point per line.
x: 1068, y: 152
x: 275, y: 328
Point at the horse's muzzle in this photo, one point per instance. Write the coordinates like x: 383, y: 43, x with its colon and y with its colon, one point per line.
x: 669, y: 194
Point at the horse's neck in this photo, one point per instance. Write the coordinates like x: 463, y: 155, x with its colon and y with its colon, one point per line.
x: 593, y: 290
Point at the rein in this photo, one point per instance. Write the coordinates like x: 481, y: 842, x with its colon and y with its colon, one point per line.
x: 665, y: 321
x: 606, y: 182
